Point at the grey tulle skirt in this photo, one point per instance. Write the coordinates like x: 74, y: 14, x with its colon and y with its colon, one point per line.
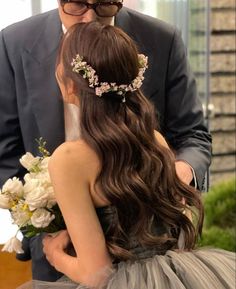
x: 199, y: 269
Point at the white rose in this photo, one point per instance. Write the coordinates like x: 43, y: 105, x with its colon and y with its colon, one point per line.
x: 44, y: 177
x: 21, y: 215
x: 13, y: 245
x: 41, y: 218
x: 28, y: 161
x: 51, y: 202
x: 13, y: 186
x: 37, y: 198
x: 44, y: 163
x: 30, y: 185
x: 4, y: 201
x: 51, y: 197
x: 28, y: 177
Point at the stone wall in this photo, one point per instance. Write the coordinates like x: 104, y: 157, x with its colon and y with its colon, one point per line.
x: 222, y: 66
x: 223, y: 89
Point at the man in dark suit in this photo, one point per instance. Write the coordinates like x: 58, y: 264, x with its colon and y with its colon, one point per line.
x: 31, y: 105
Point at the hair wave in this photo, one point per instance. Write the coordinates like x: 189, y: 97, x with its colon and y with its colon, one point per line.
x: 137, y: 173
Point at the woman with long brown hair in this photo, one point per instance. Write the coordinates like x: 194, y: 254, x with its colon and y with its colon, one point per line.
x: 123, y: 204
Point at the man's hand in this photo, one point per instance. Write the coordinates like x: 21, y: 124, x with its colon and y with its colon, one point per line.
x: 184, y: 172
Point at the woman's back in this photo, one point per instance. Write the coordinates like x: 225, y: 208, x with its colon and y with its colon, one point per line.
x: 117, y: 188
x: 150, y: 266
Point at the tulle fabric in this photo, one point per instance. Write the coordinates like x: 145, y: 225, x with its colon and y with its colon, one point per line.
x: 200, y: 269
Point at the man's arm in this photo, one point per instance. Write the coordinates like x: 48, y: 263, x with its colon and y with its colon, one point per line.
x: 11, y: 149
x: 184, y: 125
x: 11, y: 144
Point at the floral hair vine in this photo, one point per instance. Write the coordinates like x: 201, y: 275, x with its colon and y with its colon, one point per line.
x: 84, y: 69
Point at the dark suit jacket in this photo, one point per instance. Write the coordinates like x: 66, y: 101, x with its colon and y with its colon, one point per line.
x: 31, y: 104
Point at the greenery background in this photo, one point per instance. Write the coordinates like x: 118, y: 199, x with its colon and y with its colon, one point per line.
x: 220, y: 216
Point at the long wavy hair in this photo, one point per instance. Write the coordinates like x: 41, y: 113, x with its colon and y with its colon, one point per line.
x: 137, y: 173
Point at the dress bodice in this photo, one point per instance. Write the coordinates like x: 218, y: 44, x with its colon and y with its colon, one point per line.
x: 107, y: 216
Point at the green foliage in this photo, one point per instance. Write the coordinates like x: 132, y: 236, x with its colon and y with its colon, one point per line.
x: 55, y: 225
x: 220, y: 205
x: 220, y: 216
x: 42, y: 147
x: 217, y: 237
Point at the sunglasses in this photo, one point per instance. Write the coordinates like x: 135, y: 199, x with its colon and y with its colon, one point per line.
x: 102, y: 9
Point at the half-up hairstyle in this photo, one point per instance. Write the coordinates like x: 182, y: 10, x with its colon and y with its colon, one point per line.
x: 137, y: 174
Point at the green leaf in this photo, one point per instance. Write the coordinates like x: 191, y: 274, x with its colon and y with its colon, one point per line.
x: 42, y: 147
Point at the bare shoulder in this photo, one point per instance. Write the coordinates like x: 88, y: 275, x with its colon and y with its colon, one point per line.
x: 75, y: 156
x: 160, y: 139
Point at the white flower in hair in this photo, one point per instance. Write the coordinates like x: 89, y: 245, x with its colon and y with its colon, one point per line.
x: 81, y: 67
x: 87, y: 72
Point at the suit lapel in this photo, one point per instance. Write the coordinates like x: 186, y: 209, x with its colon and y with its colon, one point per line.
x: 39, y: 67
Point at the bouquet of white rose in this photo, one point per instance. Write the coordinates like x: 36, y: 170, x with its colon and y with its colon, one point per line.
x: 32, y: 203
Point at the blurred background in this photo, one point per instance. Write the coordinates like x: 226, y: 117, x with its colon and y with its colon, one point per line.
x: 208, y: 29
